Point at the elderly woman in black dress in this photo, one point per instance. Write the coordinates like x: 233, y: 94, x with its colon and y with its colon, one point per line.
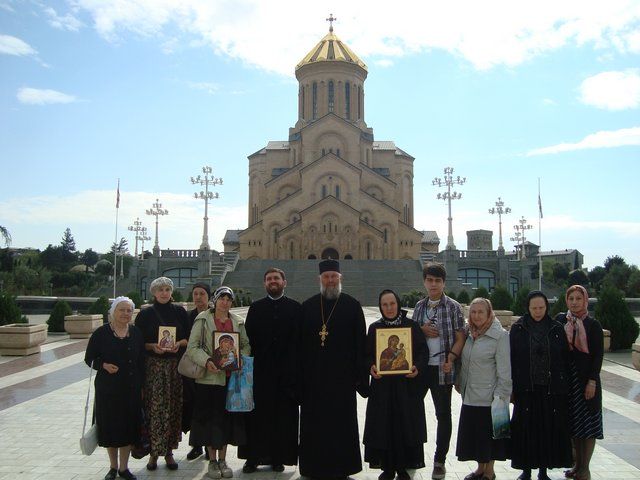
x: 539, y: 370
x: 163, y: 384
x: 395, y: 428
x: 116, y: 351
x: 584, y: 335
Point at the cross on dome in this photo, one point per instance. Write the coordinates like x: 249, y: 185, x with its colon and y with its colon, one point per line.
x: 331, y: 19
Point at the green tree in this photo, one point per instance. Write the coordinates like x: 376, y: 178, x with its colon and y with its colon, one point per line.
x: 9, y: 310
x: 410, y: 299
x: 100, y: 306
x: 560, y: 273
x: 104, y: 267
x: 618, y: 276
x: 6, y: 236
x: 613, y: 260
x: 558, y: 307
x: 500, y: 298
x: 463, y: 297
x: 481, y: 292
x: 451, y: 295
x: 519, y: 306
x: 596, y: 276
x: 633, y: 283
x: 68, y: 243
x: 614, y: 315
x: 89, y: 258
x: 56, y: 320
x: 177, y: 296
x: 578, y: 277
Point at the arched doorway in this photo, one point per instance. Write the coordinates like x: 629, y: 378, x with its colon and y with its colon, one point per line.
x: 348, y: 256
x: 330, y: 253
x: 311, y: 257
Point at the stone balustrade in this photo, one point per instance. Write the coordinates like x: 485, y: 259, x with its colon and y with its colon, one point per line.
x: 181, y: 253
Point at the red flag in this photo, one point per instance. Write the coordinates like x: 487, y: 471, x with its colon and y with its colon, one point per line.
x: 118, y: 195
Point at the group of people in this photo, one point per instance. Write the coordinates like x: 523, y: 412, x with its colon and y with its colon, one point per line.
x: 312, y: 359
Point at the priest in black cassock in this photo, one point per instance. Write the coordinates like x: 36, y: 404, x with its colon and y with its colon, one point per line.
x: 333, y: 367
x: 272, y: 326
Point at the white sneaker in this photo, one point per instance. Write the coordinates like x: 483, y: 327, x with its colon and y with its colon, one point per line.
x: 214, y: 470
x: 224, y: 469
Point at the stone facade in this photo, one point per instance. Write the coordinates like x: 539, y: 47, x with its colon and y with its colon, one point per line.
x: 330, y: 190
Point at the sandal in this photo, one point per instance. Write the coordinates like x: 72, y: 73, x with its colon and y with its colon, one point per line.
x: 171, y: 465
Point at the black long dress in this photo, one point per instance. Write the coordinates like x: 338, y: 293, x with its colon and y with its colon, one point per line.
x: 395, y: 426
x: 272, y: 427
x: 330, y: 376
x: 118, y: 400
x: 188, y: 384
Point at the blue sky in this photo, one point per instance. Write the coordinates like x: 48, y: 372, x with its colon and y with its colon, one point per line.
x: 149, y: 91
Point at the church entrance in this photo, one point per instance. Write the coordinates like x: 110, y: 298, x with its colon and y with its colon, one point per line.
x: 330, y: 253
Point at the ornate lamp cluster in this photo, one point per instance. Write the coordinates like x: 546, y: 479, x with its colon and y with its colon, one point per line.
x: 207, y: 180
x: 156, y: 210
x: 448, y: 181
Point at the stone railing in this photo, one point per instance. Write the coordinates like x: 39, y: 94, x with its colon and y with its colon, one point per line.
x: 477, y: 253
x: 179, y: 253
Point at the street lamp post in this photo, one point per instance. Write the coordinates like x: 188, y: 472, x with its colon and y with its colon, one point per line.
x: 206, y: 195
x: 500, y: 209
x: 143, y: 237
x: 156, y: 210
x: 136, y: 227
x: 448, y: 181
x: 521, y: 227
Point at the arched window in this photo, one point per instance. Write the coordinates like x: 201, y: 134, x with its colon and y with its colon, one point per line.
x: 324, y: 191
x: 302, y: 99
x: 314, y: 99
x: 331, y: 96
x: 338, y: 192
x: 311, y: 257
x: 477, y: 277
x: 385, y: 235
x: 347, y: 101
x: 291, y: 250
x: 514, y: 285
x: 359, y: 102
x: 368, y: 250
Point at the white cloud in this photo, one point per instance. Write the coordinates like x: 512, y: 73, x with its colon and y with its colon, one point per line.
x: 36, y: 96
x: 91, y: 216
x: 210, y: 87
x: 549, y: 102
x: 275, y: 35
x: 603, y: 139
x: 66, y: 22
x: 14, y: 46
x: 612, y: 90
x: 384, y: 63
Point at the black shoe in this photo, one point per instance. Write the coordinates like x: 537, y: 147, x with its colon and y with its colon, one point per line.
x: 473, y: 476
x: 206, y: 453
x: 127, y: 475
x: 194, y: 453
x: 171, y: 463
x: 249, y: 467
x: 387, y: 475
x: 152, y: 464
x: 277, y: 467
x: 524, y: 476
x: 111, y: 474
x: 403, y: 475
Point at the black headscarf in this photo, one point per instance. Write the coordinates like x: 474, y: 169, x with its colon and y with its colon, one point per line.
x: 400, y: 314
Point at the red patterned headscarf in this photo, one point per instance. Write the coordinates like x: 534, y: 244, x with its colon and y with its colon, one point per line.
x: 576, y: 334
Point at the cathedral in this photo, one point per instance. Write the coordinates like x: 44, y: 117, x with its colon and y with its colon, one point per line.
x: 331, y: 190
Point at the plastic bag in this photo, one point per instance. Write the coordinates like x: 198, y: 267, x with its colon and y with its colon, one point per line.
x: 500, y: 418
x: 240, y: 388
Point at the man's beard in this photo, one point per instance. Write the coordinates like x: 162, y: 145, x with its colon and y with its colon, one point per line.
x: 331, y: 293
x: 275, y: 290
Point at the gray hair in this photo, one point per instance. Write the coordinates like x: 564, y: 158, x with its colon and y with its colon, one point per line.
x: 161, y: 282
x: 116, y: 302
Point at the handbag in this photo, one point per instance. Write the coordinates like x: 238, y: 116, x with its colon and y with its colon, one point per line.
x: 189, y: 368
x: 240, y: 388
x: 142, y: 447
x: 89, y: 438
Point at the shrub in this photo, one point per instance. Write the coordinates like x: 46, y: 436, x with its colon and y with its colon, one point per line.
x: 177, y: 296
x: 451, y: 295
x: 463, y: 297
x: 559, y: 306
x: 10, y: 311
x: 56, y: 319
x: 519, y: 305
x: 500, y: 298
x: 614, y: 315
x: 136, y: 298
x: 411, y: 298
x: 481, y: 292
x: 101, y: 306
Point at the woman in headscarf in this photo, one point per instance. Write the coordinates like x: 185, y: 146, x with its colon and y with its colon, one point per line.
x: 163, y: 383
x: 485, y: 373
x: 395, y: 428
x: 116, y: 351
x: 584, y: 335
x: 211, y: 424
x: 539, y: 370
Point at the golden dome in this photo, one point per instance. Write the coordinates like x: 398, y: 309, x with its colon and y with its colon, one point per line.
x: 331, y: 49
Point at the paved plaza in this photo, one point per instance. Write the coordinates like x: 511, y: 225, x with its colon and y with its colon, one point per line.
x: 42, y: 400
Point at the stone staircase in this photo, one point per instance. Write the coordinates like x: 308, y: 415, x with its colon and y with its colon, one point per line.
x: 362, y: 279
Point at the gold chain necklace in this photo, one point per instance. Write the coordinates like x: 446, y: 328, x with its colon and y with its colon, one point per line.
x: 323, y: 331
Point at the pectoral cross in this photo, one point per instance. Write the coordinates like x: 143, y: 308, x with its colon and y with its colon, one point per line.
x: 323, y: 335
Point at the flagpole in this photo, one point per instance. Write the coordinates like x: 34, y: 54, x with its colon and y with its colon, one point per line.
x: 539, y: 238
x: 115, y: 248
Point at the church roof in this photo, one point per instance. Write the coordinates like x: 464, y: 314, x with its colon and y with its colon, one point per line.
x: 331, y: 49
x: 389, y: 145
x: 231, y: 236
x: 430, y: 236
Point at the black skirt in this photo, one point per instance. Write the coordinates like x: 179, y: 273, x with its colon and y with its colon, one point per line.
x: 118, y: 418
x: 475, y: 436
x: 211, y: 424
x: 540, y: 430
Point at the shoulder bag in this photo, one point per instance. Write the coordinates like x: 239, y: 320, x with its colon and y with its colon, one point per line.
x: 187, y: 367
x: 89, y: 438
